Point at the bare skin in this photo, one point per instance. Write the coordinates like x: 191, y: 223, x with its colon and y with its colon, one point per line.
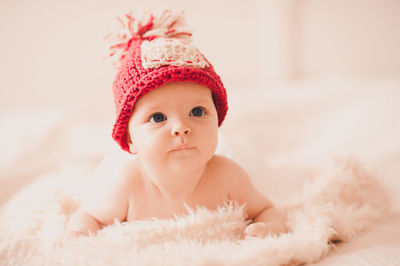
x: 174, y: 133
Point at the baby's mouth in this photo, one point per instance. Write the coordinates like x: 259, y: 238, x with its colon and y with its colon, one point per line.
x: 182, y: 148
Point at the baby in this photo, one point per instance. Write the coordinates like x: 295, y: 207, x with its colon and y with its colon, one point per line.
x: 170, y: 103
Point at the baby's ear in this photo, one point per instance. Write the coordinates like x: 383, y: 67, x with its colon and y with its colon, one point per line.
x: 132, y: 148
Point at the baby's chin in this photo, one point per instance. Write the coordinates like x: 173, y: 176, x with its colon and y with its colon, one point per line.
x: 185, y: 160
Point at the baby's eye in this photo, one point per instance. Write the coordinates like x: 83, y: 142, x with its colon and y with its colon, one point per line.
x: 157, y: 118
x: 197, y: 111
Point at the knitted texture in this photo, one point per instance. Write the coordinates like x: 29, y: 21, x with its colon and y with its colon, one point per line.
x: 169, y: 59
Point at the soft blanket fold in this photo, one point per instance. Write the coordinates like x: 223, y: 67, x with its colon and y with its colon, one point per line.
x: 341, y: 201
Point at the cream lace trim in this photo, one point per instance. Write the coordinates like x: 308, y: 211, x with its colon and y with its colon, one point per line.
x: 170, y: 52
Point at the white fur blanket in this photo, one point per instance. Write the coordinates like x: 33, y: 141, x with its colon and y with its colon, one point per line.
x: 274, y: 136
x: 341, y: 201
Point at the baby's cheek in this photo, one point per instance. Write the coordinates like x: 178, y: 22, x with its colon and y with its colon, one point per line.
x: 154, y: 144
x: 209, y: 139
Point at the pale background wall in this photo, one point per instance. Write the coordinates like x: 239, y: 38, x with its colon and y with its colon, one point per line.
x: 52, y: 50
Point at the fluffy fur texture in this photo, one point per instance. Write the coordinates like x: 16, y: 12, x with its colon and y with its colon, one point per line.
x: 341, y: 201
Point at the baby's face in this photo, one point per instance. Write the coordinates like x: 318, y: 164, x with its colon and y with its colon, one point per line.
x: 175, y: 127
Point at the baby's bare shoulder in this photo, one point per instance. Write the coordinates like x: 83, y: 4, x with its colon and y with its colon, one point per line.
x: 227, y: 173
x: 221, y: 164
x: 111, y: 187
x: 232, y: 174
x: 117, y: 169
x: 239, y: 186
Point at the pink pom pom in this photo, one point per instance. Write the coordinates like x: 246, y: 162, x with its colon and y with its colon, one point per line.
x: 166, y: 24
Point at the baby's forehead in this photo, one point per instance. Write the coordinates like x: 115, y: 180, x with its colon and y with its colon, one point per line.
x: 188, y: 86
x: 177, y: 91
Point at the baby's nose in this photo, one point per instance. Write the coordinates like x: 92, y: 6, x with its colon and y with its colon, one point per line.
x: 180, y: 129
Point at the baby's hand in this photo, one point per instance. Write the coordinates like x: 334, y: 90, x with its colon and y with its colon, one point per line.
x: 66, y: 236
x: 261, y: 229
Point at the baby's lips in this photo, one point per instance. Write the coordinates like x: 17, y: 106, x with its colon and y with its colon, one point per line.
x: 181, y: 147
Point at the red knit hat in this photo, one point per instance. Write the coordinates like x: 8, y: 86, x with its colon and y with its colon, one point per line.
x: 151, y: 54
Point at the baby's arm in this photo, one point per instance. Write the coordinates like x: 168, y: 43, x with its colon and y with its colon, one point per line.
x: 81, y: 223
x: 268, y: 221
x: 105, y: 201
x: 265, y: 217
